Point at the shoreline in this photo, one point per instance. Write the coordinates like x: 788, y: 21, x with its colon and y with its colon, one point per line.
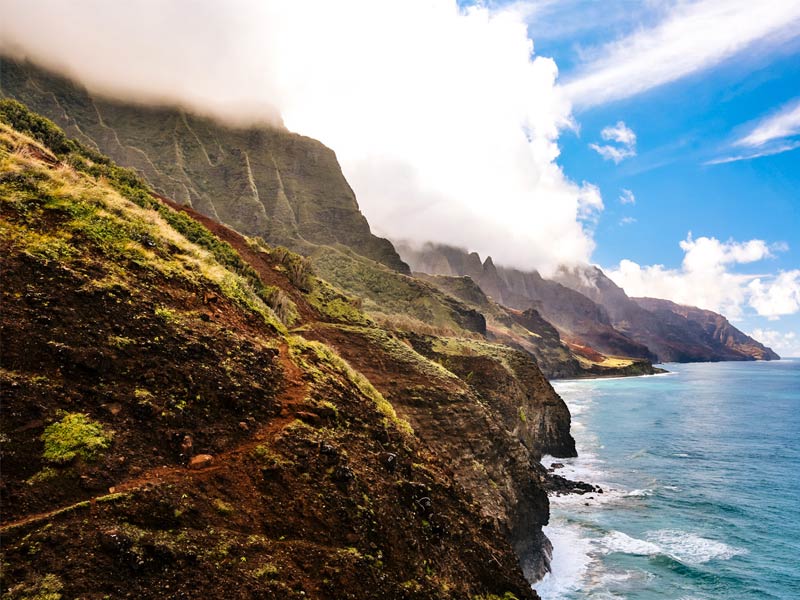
x: 609, y: 377
x: 658, y: 518
x: 663, y: 371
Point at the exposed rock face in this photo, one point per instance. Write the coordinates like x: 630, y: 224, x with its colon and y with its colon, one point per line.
x: 577, y: 317
x: 489, y: 413
x: 713, y: 330
x: 526, y: 330
x: 672, y: 332
x: 589, y: 309
x: 262, y: 181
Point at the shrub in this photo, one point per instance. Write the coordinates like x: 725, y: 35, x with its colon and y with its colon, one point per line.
x: 43, y: 130
x: 74, y: 435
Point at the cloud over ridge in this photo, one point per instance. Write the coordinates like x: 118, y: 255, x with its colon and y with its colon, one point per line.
x: 444, y: 120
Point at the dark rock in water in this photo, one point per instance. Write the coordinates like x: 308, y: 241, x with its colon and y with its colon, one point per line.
x: 556, y: 465
x: 561, y: 486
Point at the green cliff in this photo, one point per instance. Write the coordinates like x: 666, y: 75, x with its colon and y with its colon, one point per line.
x: 262, y: 181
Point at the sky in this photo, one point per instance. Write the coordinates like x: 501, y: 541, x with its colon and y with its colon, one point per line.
x: 689, y: 125
x: 657, y: 139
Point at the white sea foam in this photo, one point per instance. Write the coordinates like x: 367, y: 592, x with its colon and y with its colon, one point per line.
x: 570, y: 562
x: 640, y: 493
x: 691, y: 548
x: 616, y: 541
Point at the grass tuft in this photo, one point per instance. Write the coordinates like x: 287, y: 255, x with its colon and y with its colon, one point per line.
x: 74, y: 435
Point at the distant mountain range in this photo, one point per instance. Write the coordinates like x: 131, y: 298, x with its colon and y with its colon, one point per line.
x: 591, y: 312
x: 289, y: 190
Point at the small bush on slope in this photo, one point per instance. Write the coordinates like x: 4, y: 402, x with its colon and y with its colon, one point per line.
x: 74, y: 435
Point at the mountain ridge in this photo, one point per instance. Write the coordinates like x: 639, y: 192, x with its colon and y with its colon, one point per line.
x: 590, y: 311
x: 263, y: 181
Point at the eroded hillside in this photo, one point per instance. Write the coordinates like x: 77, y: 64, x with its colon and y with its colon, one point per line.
x: 191, y: 413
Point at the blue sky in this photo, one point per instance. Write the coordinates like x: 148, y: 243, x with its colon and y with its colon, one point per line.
x: 680, y: 127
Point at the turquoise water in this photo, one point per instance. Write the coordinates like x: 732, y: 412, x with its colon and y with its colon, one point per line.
x: 701, y: 471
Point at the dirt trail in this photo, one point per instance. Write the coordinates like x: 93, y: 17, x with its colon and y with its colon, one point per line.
x: 293, y: 394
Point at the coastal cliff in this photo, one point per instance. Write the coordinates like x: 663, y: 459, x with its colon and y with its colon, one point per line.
x: 190, y: 411
x: 674, y: 333
x: 710, y: 329
x: 593, y: 315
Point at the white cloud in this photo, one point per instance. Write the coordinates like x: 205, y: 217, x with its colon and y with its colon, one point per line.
x: 785, y: 123
x: 625, y: 139
x: 619, y: 133
x: 627, y: 197
x: 705, y: 279
x: 444, y: 121
x: 777, y: 296
x: 777, y: 149
x: 692, y: 37
x: 785, y: 343
x: 627, y: 220
x: 769, y: 136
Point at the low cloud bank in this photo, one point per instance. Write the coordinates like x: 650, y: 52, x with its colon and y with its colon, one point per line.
x: 444, y: 120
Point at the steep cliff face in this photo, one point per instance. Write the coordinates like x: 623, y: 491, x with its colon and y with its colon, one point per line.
x: 263, y: 181
x: 166, y: 435
x: 712, y: 329
x: 526, y: 330
x: 664, y: 327
x: 579, y: 320
x: 594, y: 315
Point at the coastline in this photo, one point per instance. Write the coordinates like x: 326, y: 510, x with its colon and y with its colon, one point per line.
x: 676, y: 507
x: 611, y: 377
x: 660, y: 370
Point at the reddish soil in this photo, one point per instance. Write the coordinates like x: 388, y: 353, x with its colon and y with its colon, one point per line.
x: 301, y: 501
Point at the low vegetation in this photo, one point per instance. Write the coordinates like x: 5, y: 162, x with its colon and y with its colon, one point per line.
x: 74, y: 435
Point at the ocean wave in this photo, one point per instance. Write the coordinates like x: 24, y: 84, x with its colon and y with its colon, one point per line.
x: 569, y: 563
x: 688, y: 548
x: 616, y: 541
x: 640, y: 493
x: 692, y: 549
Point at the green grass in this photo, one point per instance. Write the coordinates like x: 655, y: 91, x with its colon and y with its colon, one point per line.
x: 321, y: 355
x: 74, y: 435
x: 388, y: 295
x: 47, y: 587
x: 94, y: 195
x: 223, y: 507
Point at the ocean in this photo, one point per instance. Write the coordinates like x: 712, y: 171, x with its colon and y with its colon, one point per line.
x: 701, y: 476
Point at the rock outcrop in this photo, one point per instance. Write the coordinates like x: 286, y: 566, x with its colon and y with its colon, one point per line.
x: 710, y: 329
